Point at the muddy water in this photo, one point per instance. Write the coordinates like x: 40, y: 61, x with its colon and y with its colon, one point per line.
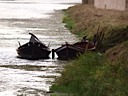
x: 20, y: 77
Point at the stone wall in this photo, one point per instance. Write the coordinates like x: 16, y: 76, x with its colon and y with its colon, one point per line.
x: 111, y: 4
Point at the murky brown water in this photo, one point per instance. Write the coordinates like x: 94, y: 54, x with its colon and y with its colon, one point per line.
x: 20, y: 77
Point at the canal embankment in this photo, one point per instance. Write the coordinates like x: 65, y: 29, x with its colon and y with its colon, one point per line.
x: 95, y: 73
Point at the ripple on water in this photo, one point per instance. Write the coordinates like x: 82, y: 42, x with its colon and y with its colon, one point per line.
x: 20, y: 77
x: 26, y: 76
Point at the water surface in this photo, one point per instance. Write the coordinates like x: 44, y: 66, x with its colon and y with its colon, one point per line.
x: 20, y: 77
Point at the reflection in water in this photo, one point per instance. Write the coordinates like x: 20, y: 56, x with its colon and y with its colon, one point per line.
x: 20, y: 77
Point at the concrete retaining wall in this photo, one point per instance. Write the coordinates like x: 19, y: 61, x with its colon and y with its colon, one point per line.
x: 111, y: 4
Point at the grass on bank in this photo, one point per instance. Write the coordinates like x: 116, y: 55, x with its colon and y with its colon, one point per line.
x: 87, y: 19
x: 92, y: 75
x: 69, y: 22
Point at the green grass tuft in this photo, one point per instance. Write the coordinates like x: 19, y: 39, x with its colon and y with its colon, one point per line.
x: 92, y: 75
x: 69, y: 22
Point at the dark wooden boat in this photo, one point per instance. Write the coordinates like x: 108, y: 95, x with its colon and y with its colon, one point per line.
x: 68, y: 51
x: 85, y: 46
x: 71, y: 51
x: 34, y: 49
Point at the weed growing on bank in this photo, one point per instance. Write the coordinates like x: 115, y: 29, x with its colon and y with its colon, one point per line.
x: 69, y: 22
x: 92, y: 75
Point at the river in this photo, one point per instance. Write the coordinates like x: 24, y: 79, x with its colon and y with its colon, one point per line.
x: 20, y: 77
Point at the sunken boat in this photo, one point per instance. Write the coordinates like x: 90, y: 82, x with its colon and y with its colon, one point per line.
x: 34, y: 49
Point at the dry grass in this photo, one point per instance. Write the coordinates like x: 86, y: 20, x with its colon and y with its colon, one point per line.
x: 114, y: 24
x: 118, y: 52
x: 87, y: 19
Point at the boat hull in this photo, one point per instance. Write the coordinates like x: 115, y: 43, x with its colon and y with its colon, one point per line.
x: 68, y: 52
x: 33, y: 51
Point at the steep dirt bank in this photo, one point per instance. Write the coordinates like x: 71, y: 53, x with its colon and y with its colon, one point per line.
x: 114, y: 24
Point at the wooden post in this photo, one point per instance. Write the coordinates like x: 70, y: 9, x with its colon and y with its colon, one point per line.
x: 126, y: 5
x: 91, y: 2
x: 84, y: 1
x: 53, y: 53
